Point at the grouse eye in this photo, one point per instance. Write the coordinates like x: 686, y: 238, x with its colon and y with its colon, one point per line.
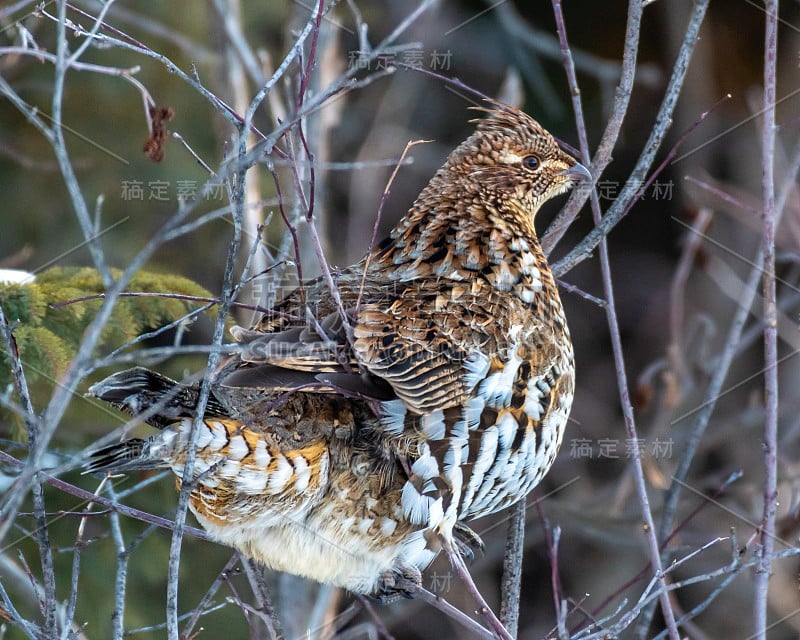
x: 531, y: 162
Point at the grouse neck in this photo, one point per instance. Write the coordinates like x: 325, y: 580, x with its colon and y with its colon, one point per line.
x: 457, y: 233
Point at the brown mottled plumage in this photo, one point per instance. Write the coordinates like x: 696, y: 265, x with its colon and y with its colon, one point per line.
x: 352, y: 460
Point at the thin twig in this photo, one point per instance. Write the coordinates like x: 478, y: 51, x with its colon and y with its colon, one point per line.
x: 154, y: 294
x: 78, y: 547
x: 678, y: 293
x: 448, y: 609
x: 376, y: 226
x: 457, y: 562
x: 552, y: 554
x: 207, y: 599
x: 263, y: 598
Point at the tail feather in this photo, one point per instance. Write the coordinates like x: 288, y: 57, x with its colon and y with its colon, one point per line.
x: 130, y: 455
x: 154, y: 398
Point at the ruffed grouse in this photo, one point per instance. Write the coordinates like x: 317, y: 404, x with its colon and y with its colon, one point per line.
x: 352, y: 457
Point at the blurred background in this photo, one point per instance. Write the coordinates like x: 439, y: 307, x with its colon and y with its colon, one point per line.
x: 674, y: 301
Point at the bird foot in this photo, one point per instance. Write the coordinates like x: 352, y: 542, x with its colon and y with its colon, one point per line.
x: 402, y: 581
x: 467, y: 541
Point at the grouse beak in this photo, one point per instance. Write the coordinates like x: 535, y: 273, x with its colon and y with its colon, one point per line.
x: 577, y: 172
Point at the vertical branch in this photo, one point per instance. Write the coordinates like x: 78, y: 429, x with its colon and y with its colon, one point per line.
x: 239, y: 57
x: 551, y: 539
x: 187, y: 481
x: 237, y: 195
x: 120, y: 584
x: 35, y: 446
x: 78, y: 547
x: 609, y: 139
x: 263, y: 598
x: 60, y: 149
x: 616, y: 340
x: 512, y: 569
x: 45, y: 557
x: 40, y: 516
x: 64, y: 391
x: 764, y: 568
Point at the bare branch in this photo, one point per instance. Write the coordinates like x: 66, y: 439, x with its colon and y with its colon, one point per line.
x: 512, y: 569
x: 767, y: 533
